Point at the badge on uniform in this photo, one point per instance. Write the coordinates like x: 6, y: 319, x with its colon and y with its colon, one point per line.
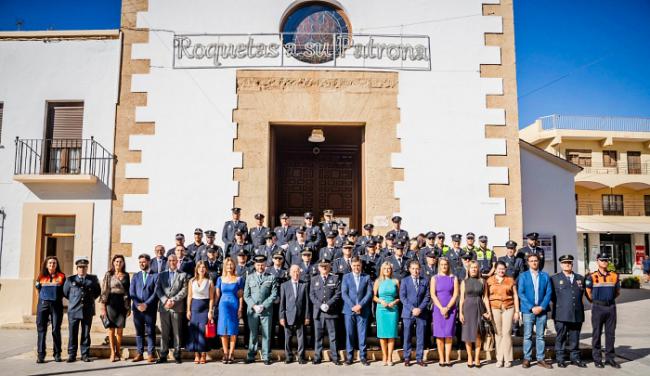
x: 317, y: 284
x: 561, y: 282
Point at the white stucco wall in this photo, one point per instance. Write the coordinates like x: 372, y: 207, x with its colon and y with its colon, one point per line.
x: 549, y: 204
x: 189, y: 160
x: 31, y: 73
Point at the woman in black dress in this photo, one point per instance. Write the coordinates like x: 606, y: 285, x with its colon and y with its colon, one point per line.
x: 116, y: 304
x: 473, y: 304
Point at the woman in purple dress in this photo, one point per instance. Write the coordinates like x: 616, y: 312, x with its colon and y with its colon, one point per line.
x: 444, y: 293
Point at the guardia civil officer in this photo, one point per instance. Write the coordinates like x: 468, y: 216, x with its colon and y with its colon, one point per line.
x: 602, y: 287
x: 330, y: 251
x: 325, y: 297
x: 514, y: 265
x: 328, y: 224
x: 313, y: 234
x: 485, y: 257
x: 230, y: 227
x: 397, y: 231
x: 568, y: 312
x: 197, y: 246
x: 202, y: 252
x: 285, y: 233
x: 258, y: 233
x: 532, y: 248
x: 81, y: 290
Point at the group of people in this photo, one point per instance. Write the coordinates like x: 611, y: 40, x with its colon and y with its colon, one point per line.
x: 306, y: 278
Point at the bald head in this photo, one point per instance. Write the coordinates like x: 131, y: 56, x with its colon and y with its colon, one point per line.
x: 294, y: 272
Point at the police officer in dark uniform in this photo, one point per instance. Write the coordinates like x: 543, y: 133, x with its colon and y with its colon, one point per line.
x: 399, y: 261
x: 531, y: 248
x: 430, y: 267
x: 257, y: 234
x: 202, y: 253
x: 429, y: 247
x: 602, y: 287
x: 325, y: 296
x: 277, y: 268
x: 360, y: 244
x: 239, y: 245
x: 568, y: 312
x: 197, y: 246
x: 328, y: 224
x: 308, y: 269
x: 514, y: 265
x: 330, y: 251
x: 371, y: 260
x: 285, y: 233
x: 343, y: 264
x: 341, y: 236
x: 454, y: 254
x: 397, y: 231
x: 485, y: 257
x: 243, y: 265
x: 313, y: 234
x: 179, y: 239
x: 353, y: 234
x: 389, y: 249
x: 212, y: 263
x: 231, y: 227
x: 271, y: 246
x: 295, y: 248
x: 81, y: 290
x: 469, y: 244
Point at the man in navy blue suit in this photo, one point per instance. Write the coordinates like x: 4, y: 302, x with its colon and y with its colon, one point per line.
x: 143, y: 296
x: 159, y: 263
x: 414, y: 296
x: 356, y: 292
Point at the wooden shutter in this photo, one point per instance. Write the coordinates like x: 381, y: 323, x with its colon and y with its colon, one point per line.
x: 609, y: 158
x: 67, y: 122
x: 579, y: 157
x: 633, y: 162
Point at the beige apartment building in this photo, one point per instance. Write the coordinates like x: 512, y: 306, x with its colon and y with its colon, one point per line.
x: 612, y: 190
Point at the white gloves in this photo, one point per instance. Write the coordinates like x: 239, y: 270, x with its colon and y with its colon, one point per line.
x: 324, y: 307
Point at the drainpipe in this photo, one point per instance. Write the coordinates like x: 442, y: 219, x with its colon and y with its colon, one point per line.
x: 3, y: 214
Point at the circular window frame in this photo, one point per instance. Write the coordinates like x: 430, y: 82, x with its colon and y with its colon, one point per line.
x: 340, y: 10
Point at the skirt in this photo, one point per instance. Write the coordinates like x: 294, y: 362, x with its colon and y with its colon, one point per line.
x: 196, y: 340
x: 116, y: 311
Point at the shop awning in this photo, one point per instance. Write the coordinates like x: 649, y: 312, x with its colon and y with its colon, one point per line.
x: 613, y: 227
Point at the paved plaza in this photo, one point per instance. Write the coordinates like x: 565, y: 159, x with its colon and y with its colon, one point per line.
x: 17, y: 355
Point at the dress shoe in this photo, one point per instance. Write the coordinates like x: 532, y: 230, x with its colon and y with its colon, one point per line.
x: 86, y: 359
x: 178, y: 360
x: 526, y: 363
x: 613, y: 363
x: 57, y: 358
x: 561, y: 364
x: 407, y: 363
x: 248, y: 361
x: 40, y: 360
x: 138, y: 358
x: 71, y: 359
x: 579, y: 363
x: 365, y: 362
x: 161, y: 360
x: 302, y: 361
x: 543, y: 364
x: 599, y: 364
x: 316, y: 361
x: 337, y: 362
x: 267, y: 362
x: 348, y: 362
x: 422, y: 364
x: 150, y: 359
x: 288, y: 361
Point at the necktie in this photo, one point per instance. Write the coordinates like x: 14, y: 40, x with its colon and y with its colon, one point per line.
x: 259, y: 278
x: 356, y: 280
x: 295, y: 289
x: 144, y: 277
x: 416, y: 283
x: 171, y: 277
x: 349, y: 266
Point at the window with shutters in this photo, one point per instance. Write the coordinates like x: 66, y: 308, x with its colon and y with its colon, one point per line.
x: 1, y: 112
x: 646, y: 204
x: 612, y: 204
x: 609, y: 158
x: 63, y: 137
x: 579, y: 157
x: 633, y: 162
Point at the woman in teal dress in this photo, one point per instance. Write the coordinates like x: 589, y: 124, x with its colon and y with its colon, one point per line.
x: 386, y: 296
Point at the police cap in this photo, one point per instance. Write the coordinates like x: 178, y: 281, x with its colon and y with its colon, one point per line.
x: 456, y: 237
x: 306, y: 251
x: 368, y: 226
x: 278, y: 256
x: 81, y: 261
x: 353, y: 232
x: 236, y: 210
x: 511, y: 244
x: 239, y: 232
x: 440, y: 235
x: 470, y: 235
x: 259, y: 216
x: 390, y: 236
x: 269, y: 235
x: 259, y: 259
x: 180, y: 236
x: 348, y: 245
x: 198, y: 231
x: 399, y: 244
x: 210, y: 233
x: 532, y: 236
x: 482, y: 238
x: 328, y: 212
x: 396, y: 219
x: 603, y: 256
x: 301, y: 229
x: 309, y: 215
x: 331, y: 234
x: 431, y: 235
x: 284, y: 216
x: 566, y: 258
x: 370, y: 243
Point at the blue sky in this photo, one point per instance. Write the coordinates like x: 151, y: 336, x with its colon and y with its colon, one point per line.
x: 582, y: 57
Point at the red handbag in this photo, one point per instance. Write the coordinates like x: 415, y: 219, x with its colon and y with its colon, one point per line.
x: 210, y: 329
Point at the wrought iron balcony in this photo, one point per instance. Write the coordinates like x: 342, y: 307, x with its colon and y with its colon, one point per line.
x: 58, y: 159
x: 631, y: 208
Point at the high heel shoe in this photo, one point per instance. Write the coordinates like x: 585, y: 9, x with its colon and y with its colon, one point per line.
x: 196, y: 358
x: 203, y: 359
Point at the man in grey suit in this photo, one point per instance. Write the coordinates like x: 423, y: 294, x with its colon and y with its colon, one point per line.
x: 260, y: 291
x: 171, y: 289
x: 295, y: 310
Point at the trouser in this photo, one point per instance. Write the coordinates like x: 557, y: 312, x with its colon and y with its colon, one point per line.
x: 503, y: 336
x: 539, y: 322
x: 145, y: 326
x: 297, y: 330
x: 355, y: 331
x: 567, y: 336
x: 319, y: 331
x: 170, y: 331
x: 255, y: 323
x: 603, y: 316
x: 49, y: 312
x: 420, y: 323
x: 73, y: 336
x: 277, y: 337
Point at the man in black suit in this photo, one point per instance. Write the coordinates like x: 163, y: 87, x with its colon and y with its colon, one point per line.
x: 295, y: 310
x: 158, y: 263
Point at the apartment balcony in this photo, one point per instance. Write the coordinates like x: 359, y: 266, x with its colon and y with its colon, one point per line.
x: 636, y: 208
x: 596, y: 176
x: 63, y: 161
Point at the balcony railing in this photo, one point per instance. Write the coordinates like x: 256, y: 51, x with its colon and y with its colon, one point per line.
x: 63, y: 157
x: 629, y: 208
x: 619, y: 169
